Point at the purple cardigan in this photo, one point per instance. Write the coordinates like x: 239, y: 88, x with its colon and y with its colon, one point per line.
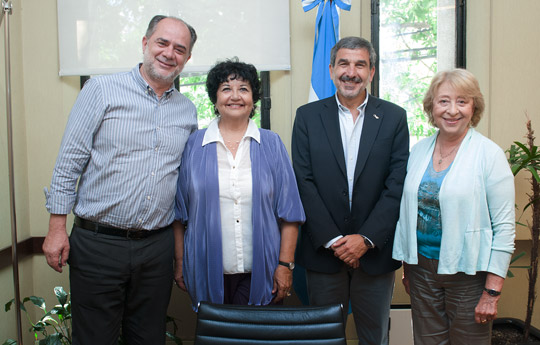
x: 275, y: 197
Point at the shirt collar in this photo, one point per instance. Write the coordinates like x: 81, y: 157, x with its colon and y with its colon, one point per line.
x: 136, y: 72
x: 213, y: 135
x: 360, y: 107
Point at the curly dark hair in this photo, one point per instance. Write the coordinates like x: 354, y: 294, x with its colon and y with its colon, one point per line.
x: 232, y: 69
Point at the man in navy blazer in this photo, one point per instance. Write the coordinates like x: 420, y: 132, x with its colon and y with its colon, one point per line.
x: 350, y: 156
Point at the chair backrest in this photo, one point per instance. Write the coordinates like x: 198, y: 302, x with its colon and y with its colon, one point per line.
x: 226, y: 324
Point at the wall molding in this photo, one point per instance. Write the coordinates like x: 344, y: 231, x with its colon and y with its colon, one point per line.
x: 26, y: 248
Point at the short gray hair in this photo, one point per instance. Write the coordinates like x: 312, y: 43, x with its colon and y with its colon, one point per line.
x: 154, y: 22
x: 353, y: 42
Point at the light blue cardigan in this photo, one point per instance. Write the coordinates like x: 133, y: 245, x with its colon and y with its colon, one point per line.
x: 477, y: 208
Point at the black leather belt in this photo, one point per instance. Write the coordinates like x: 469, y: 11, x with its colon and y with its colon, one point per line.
x: 134, y: 234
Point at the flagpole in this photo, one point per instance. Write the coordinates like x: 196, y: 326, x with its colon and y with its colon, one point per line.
x: 7, y: 10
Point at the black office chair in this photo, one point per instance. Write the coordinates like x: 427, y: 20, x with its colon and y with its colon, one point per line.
x: 225, y: 324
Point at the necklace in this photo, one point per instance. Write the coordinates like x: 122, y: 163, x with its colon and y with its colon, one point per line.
x: 232, y: 140
x: 232, y: 144
x: 448, y: 154
x: 232, y: 136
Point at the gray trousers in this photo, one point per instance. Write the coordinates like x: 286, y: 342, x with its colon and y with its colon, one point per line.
x: 120, y: 283
x: 443, y: 306
x: 370, y: 298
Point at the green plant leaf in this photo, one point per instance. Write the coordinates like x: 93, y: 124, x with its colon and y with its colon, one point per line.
x: 61, y: 295
x: 10, y: 342
x: 515, y: 258
x: 39, y: 327
x: 523, y: 147
x: 7, y: 307
x: 48, y: 320
x: 38, y: 301
x: 174, y: 338
x: 530, y: 203
x: 533, y: 171
x: 62, y: 312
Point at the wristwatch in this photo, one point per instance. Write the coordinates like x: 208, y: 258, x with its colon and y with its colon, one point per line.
x: 289, y: 265
x: 368, y: 243
x: 492, y: 293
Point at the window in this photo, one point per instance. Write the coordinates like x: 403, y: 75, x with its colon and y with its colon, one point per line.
x: 414, y: 39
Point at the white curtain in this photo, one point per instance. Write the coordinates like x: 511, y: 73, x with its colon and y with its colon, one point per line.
x: 104, y: 36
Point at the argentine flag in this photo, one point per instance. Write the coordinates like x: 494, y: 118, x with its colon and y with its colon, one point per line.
x: 326, y: 36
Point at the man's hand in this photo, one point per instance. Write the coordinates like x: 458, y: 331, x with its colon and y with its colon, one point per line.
x: 178, y: 275
x: 56, y: 244
x: 350, y: 249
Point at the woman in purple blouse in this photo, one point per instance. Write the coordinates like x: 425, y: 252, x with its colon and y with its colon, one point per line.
x: 237, y: 205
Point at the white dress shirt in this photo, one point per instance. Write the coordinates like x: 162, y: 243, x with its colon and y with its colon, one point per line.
x: 235, y: 198
x: 351, y: 132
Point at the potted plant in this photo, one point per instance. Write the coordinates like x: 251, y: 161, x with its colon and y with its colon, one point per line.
x: 54, y: 327
x: 526, y: 156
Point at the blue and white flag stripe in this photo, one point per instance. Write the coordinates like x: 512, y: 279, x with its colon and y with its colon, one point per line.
x: 326, y: 36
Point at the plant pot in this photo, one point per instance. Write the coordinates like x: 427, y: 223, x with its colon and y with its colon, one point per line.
x: 510, y: 331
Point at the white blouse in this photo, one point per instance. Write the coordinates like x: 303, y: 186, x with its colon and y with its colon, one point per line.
x: 235, y: 198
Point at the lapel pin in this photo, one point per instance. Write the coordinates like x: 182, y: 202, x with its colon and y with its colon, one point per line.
x: 375, y: 116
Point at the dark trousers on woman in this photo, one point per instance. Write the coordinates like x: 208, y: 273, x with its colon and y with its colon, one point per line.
x: 236, y: 289
x: 443, y: 306
x: 119, y: 283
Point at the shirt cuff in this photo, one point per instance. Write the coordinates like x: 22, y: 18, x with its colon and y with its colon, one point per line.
x: 332, y: 241
x: 59, y: 204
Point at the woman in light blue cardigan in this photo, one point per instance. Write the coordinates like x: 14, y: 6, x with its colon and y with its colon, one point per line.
x: 456, y: 230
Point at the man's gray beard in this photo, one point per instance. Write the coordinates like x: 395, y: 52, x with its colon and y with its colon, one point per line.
x: 150, y: 69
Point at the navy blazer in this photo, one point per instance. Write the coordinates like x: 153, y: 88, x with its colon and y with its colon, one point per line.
x: 319, y: 165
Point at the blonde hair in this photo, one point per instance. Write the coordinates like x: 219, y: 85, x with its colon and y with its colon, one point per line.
x: 462, y: 81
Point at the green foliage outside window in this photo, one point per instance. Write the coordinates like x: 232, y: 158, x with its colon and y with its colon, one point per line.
x: 408, y: 61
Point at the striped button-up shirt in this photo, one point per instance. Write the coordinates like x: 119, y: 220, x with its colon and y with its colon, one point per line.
x: 123, y: 145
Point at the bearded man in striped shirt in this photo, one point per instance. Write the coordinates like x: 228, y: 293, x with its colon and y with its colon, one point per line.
x: 117, y: 171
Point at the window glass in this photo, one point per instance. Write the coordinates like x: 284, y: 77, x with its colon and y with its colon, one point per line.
x: 417, y: 38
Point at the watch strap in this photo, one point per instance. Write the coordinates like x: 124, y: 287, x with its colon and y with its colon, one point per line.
x: 491, y: 292
x: 289, y: 265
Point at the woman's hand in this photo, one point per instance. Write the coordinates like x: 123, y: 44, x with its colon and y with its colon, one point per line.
x: 486, y: 309
x: 283, y: 275
x: 282, y: 283
x: 405, y: 278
